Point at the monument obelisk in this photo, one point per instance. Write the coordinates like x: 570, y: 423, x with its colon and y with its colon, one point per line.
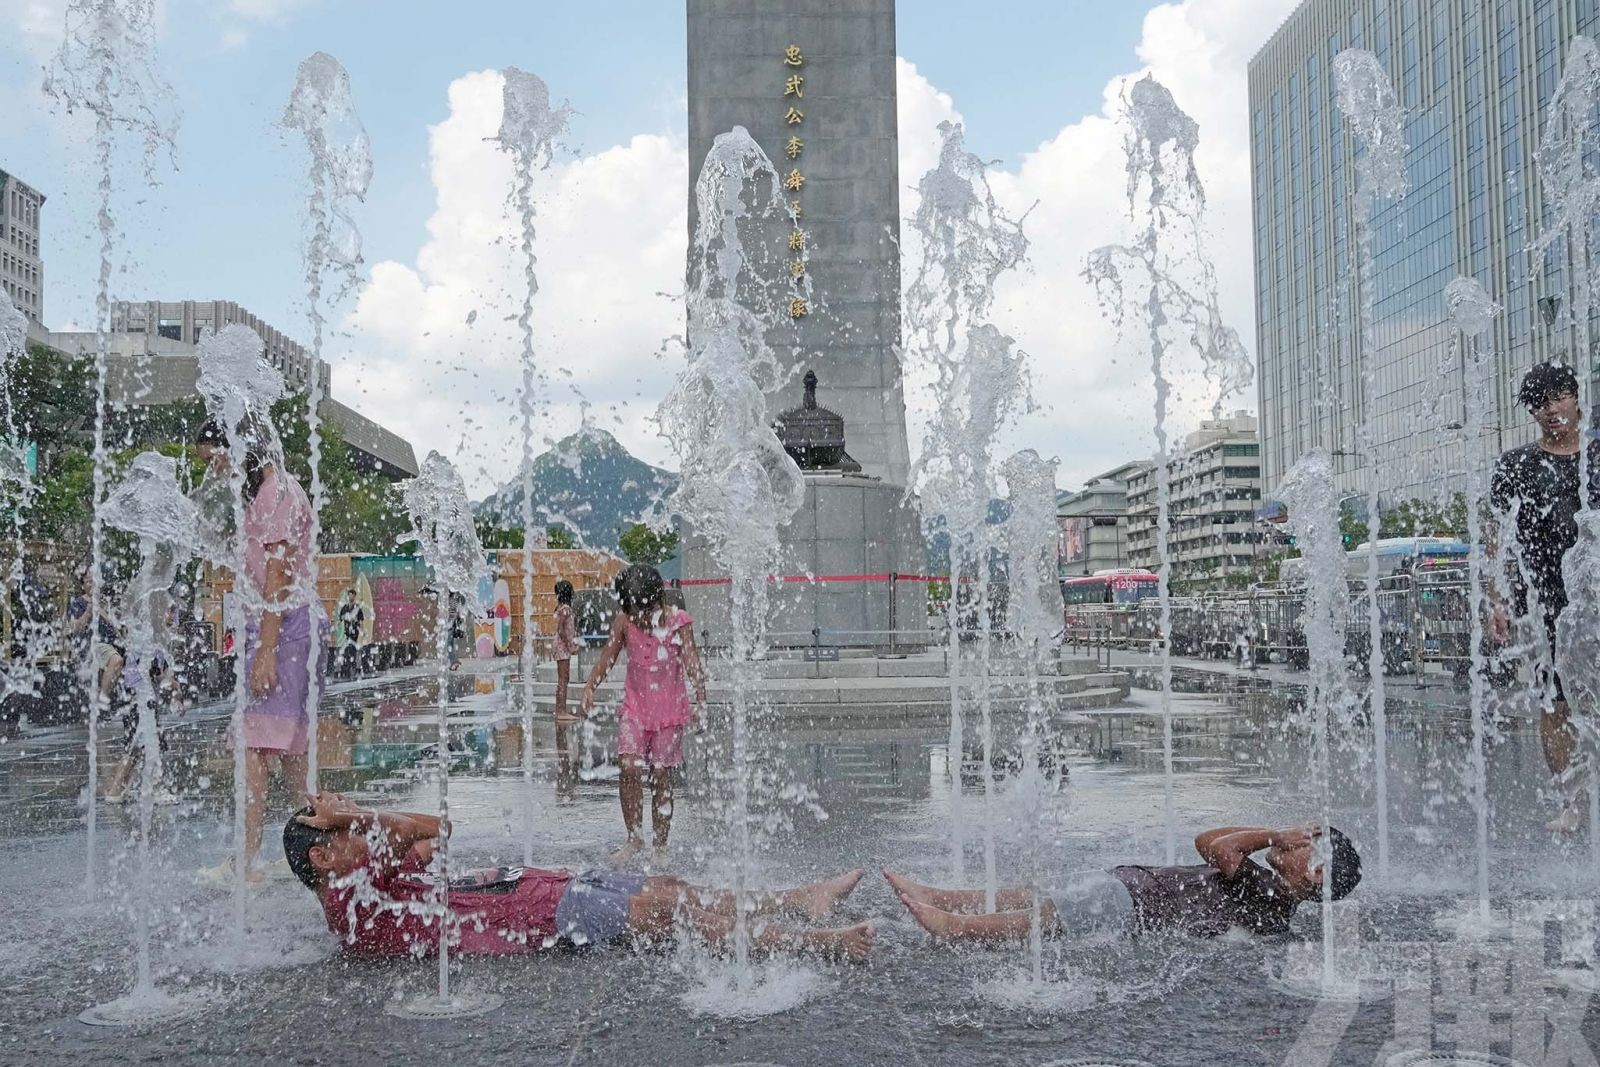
x: 813, y: 81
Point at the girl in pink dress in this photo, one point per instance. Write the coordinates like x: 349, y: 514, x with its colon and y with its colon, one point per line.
x: 655, y: 709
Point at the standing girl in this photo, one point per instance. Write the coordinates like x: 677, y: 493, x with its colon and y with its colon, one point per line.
x: 562, y: 648
x: 284, y: 626
x: 655, y: 706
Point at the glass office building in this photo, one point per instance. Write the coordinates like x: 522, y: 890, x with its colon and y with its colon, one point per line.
x: 1474, y: 78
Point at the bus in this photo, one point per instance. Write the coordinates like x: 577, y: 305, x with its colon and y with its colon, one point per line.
x: 1121, y: 587
x: 1394, y: 555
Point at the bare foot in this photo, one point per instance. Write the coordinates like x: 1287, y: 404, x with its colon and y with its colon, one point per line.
x: 819, y: 900
x: 627, y: 851
x: 852, y: 943
x: 933, y: 920
x: 905, y: 888
x: 1570, y: 821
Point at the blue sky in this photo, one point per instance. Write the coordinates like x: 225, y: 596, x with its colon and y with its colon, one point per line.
x: 1029, y: 78
x: 620, y: 64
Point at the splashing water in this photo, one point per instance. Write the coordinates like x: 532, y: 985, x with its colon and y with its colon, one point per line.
x: 528, y: 131
x: 738, y: 485
x: 978, y: 385
x: 1473, y: 313
x: 322, y: 108
x: 239, y: 388
x: 1309, y: 492
x: 1034, y: 611
x: 441, y: 517
x: 149, y: 504
x: 107, y: 66
x: 1169, y: 259
x: 1569, y: 178
x: 1366, y: 99
x: 19, y: 675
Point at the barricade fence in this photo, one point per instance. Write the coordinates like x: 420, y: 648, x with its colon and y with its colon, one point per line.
x: 1423, y: 619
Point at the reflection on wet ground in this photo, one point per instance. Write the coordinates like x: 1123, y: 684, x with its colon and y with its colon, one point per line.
x: 867, y: 797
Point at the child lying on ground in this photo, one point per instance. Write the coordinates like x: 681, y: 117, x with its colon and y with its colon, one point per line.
x: 1228, y: 890
x: 369, y: 870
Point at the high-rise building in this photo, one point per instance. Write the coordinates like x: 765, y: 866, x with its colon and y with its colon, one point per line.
x: 189, y: 320
x: 1215, y: 488
x: 1475, y: 80
x: 1093, y: 523
x: 21, y: 266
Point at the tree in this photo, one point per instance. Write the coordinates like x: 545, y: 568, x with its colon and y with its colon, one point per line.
x: 558, y: 536
x: 640, y: 543
x: 492, y: 535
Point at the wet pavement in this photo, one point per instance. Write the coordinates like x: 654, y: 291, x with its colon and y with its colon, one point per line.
x: 834, y: 798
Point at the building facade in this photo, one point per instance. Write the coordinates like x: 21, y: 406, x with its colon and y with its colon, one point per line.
x: 21, y: 264
x: 1093, y: 523
x: 1475, y: 80
x: 188, y: 320
x: 1214, y: 541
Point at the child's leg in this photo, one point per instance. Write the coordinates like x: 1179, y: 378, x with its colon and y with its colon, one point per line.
x: 959, y: 901
x: 999, y: 926
x: 631, y: 788
x: 811, y: 901
x: 661, y: 804
x: 652, y: 916
x: 563, y: 676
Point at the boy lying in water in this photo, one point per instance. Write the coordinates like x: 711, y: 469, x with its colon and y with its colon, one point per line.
x: 369, y: 870
x: 1229, y: 889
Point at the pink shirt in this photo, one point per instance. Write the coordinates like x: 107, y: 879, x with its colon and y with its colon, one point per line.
x: 655, y: 694
x: 501, y: 911
x: 279, y: 515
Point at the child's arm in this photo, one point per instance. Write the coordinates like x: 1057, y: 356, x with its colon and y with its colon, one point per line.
x: 697, y: 674
x: 402, y: 829
x: 602, y: 666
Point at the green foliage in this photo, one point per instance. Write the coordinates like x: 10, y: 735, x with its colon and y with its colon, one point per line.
x: 1426, y: 518
x: 558, y: 536
x: 492, y: 535
x: 361, y: 510
x: 641, y: 544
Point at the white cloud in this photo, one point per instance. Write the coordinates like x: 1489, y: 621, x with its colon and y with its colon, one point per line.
x: 612, y: 237
x: 611, y: 240
x: 265, y: 10
x: 1095, y: 392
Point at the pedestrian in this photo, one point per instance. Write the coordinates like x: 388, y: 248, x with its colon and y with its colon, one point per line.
x: 352, y: 616
x: 283, y: 625
x: 655, y: 707
x: 563, y: 646
x: 1534, y: 494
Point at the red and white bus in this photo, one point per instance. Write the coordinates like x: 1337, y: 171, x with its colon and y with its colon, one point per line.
x: 1123, y: 588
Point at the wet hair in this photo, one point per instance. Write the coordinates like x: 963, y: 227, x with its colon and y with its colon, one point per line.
x: 298, y: 841
x: 639, y: 588
x: 563, y: 592
x: 1344, y: 865
x: 1546, y: 382
x: 256, y: 458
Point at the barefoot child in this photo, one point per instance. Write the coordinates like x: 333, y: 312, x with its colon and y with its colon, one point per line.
x: 563, y: 646
x: 655, y: 706
x: 369, y: 870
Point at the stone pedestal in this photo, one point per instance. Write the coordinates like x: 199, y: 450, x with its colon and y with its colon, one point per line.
x: 850, y: 526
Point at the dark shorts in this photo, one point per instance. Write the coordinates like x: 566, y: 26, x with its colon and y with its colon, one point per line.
x: 594, y: 907
x: 1546, y: 673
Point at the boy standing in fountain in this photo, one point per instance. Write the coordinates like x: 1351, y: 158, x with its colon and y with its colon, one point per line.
x: 1535, y: 495
x: 369, y: 870
x: 655, y: 710
x: 1229, y: 889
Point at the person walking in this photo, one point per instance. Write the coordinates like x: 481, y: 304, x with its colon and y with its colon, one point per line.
x: 1534, y: 495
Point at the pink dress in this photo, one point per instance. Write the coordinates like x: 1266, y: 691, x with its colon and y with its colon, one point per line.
x: 280, y: 515
x: 655, y: 697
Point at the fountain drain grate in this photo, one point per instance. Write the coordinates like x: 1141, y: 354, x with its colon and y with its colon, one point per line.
x: 147, y: 1009
x: 1426, y: 1058
x: 430, y: 1007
